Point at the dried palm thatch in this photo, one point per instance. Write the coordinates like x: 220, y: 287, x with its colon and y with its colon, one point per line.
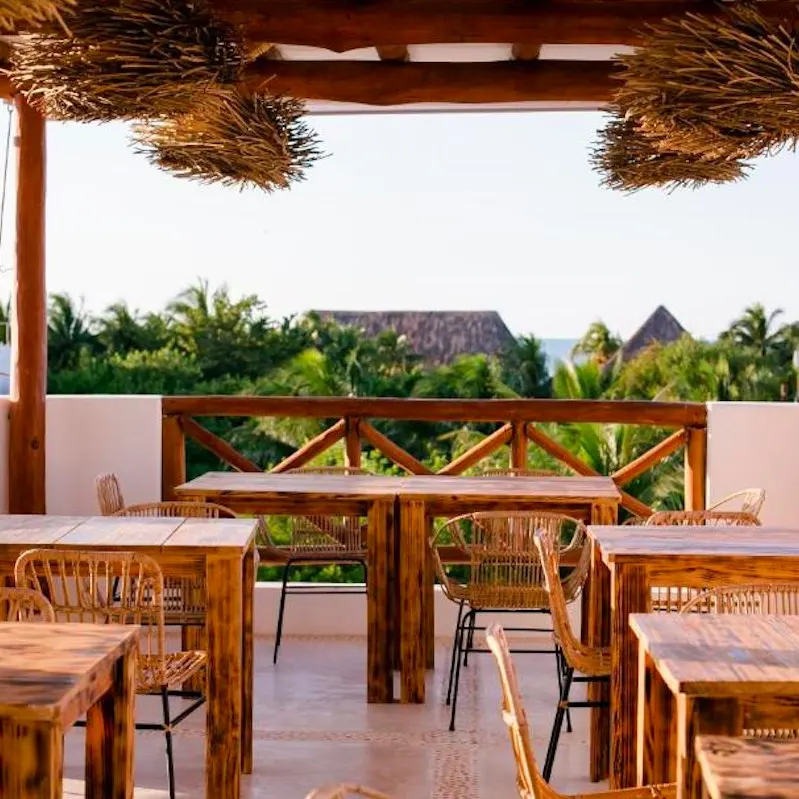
x: 233, y: 139
x: 127, y: 59
x: 19, y: 14
x: 721, y: 87
x: 629, y: 159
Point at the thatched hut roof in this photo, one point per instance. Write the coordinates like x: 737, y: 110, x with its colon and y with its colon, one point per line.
x: 438, y: 336
x: 661, y: 328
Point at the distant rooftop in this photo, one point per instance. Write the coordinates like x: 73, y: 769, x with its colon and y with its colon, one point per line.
x: 660, y: 328
x: 438, y: 336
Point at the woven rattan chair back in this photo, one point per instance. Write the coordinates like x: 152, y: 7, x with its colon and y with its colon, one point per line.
x: 750, y: 500
x: 326, y: 536
x: 24, y: 604
x: 756, y: 599
x: 513, y: 472
x: 192, y: 510
x: 582, y: 658
x: 504, y: 564
x: 109, y: 494
x: 529, y: 781
x: 102, y: 588
x: 701, y: 518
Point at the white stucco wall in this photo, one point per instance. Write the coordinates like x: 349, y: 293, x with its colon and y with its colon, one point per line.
x: 4, y: 454
x: 756, y: 445
x: 88, y: 435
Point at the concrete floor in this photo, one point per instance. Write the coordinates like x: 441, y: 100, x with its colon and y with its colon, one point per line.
x: 313, y: 726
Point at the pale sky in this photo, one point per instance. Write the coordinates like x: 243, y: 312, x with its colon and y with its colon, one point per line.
x: 461, y: 211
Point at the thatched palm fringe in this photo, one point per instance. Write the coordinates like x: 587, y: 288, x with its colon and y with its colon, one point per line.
x: 629, y: 160
x: 18, y: 14
x: 722, y: 86
x: 234, y: 139
x: 127, y: 59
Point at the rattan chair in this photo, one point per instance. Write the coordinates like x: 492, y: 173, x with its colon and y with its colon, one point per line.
x: 701, y: 518
x: 592, y: 664
x: 79, y: 585
x: 749, y: 500
x: 529, y: 781
x: 754, y: 600
x: 505, y: 576
x: 24, y: 604
x: 345, y: 792
x: 318, y: 541
x: 109, y: 494
x: 184, y: 597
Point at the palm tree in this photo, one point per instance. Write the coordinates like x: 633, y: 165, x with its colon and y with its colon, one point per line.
x: 122, y: 330
x: 524, y: 367
x: 69, y: 333
x: 598, y: 343
x: 755, y: 330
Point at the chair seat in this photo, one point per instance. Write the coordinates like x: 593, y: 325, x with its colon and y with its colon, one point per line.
x: 175, y: 667
x: 326, y: 553
x: 497, y: 597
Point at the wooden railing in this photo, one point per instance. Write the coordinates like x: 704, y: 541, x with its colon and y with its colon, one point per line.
x: 518, y: 420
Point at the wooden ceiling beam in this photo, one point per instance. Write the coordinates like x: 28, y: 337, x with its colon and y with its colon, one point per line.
x: 393, y: 52
x: 526, y: 52
x: 390, y: 83
x: 342, y: 25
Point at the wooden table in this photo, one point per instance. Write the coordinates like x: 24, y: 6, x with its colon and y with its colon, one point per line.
x: 49, y: 678
x: 709, y: 674
x: 629, y: 561
x: 748, y: 768
x: 223, y: 550
x: 409, y: 504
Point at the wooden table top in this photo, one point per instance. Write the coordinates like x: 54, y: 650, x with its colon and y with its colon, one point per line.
x: 43, y: 668
x: 373, y: 487
x: 722, y: 655
x: 749, y: 768
x: 635, y: 543
x: 123, y: 533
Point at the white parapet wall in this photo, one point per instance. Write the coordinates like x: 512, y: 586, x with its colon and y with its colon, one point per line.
x: 89, y: 435
x: 756, y: 445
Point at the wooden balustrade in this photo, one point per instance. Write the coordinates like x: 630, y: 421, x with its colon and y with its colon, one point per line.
x: 518, y: 429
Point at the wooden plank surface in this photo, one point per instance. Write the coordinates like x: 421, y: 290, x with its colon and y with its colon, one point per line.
x: 748, y: 768
x: 720, y: 656
x: 372, y: 487
x: 212, y: 535
x: 44, y: 669
x: 682, y: 544
x: 115, y: 533
x: 35, y: 530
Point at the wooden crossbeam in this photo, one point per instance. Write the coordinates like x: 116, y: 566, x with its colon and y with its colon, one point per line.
x: 479, y: 451
x: 389, y: 83
x: 218, y: 446
x: 393, y: 52
x: 392, y: 451
x: 316, y: 446
x: 646, y: 461
x: 343, y: 25
x: 526, y: 52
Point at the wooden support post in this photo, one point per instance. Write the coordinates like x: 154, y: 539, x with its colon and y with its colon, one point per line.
x: 26, y: 451
x: 695, y: 468
x: 173, y: 456
x: 352, y: 444
x: 518, y: 446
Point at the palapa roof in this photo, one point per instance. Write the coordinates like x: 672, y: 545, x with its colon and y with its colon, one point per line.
x: 351, y: 56
x: 438, y: 336
x: 661, y: 328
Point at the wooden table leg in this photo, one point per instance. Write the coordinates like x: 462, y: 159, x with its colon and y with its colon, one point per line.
x: 247, y: 659
x: 111, y: 735
x: 429, y: 594
x: 31, y: 759
x: 701, y: 716
x: 224, y: 576
x: 657, y: 725
x: 629, y: 589
x: 413, y: 571
x: 596, y: 632
x: 380, y: 646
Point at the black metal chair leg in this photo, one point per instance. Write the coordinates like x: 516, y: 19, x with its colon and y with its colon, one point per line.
x: 462, y: 641
x: 281, y: 611
x: 563, y: 705
x: 561, y: 665
x: 170, y: 764
x: 470, y: 639
x: 454, y: 652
